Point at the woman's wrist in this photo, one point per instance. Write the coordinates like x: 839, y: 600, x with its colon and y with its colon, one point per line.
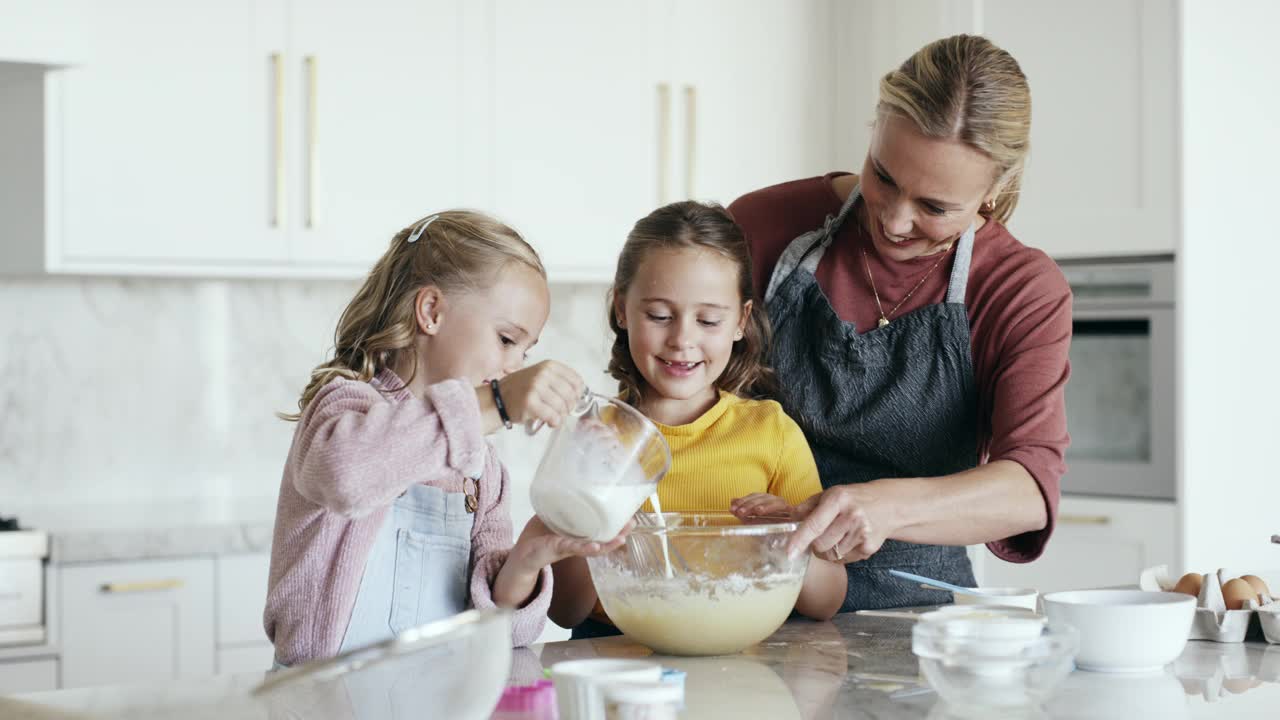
x: 516, y: 582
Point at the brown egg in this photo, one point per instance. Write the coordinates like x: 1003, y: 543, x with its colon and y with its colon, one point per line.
x: 1189, y: 584
x: 1259, y: 587
x: 1236, y: 592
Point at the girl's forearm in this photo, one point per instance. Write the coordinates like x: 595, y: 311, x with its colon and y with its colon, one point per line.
x: 515, y: 584
x: 823, y: 591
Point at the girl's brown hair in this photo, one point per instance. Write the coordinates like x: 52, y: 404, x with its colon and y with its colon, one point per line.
x: 692, y: 225
x: 964, y: 87
x: 456, y: 250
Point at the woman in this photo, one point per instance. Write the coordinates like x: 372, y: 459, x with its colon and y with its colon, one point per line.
x: 920, y: 346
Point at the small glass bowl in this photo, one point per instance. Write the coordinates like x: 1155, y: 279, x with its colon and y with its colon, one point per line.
x: 981, y: 661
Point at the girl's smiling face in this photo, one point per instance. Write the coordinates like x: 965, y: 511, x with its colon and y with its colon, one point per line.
x: 682, y: 313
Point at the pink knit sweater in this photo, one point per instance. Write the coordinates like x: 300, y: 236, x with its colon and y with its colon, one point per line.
x: 355, y: 450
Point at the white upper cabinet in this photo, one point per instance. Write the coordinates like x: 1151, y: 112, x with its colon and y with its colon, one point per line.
x: 48, y: 32
x: 756, y: 94
x: 604, y: 111
x: 375, y: 138
x: 165, y: 137
x: 1102, y: 178
x: 582, y: 126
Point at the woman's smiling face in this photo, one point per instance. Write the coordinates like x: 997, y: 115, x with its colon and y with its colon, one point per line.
x: 921, y: 193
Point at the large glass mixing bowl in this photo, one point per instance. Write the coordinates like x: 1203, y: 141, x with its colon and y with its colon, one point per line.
x: 700, y: 583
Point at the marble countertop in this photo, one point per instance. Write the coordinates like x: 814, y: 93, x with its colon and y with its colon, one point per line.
x: 854, y: 667
x: 104, y: 532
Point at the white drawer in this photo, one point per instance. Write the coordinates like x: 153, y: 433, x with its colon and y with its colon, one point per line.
x: 242, y: 594
x: 26, y: 676
x: 21, y: 592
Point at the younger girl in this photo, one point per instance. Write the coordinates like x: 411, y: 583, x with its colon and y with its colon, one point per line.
x: 393, y: 508
x: 689, y: 353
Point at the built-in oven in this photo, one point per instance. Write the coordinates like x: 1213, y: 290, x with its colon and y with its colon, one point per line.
x: 1121, y: 398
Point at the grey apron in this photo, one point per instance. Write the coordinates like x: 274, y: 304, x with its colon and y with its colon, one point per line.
x: 898, y: 401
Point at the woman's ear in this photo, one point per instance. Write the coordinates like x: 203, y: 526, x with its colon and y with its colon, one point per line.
x: 742, y: 323
x: 428, y: 309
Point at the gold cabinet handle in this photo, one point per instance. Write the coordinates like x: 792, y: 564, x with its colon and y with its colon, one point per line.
x: 312, y: 147
x: 277, y: 73
x: 691, y: 138
x: 1084, y: 520
x: 141, y: 587
x: 664, y: 140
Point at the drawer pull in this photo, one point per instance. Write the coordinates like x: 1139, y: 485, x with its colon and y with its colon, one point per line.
x: 144, y: 586
x: 1084, y: 520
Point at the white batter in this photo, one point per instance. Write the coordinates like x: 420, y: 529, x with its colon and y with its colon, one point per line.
x: 692, y: 621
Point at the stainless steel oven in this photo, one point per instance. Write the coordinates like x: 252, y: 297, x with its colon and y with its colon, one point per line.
x: 1121, y: 397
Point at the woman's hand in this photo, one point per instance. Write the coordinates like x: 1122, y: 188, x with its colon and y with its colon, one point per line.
x: 761, y: 506
x: 844, y: 524
x: 537, y: 548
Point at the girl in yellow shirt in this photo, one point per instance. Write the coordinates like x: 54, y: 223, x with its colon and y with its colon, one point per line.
x: 689, y: 352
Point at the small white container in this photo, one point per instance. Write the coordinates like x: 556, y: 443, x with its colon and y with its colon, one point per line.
x: 1005, y: 596
x: 1124, y: 630
x: 642, y: 701
x: 580, y: 684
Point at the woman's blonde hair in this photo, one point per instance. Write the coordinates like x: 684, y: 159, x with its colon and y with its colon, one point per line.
x: 697, y: 226
x: 964, y: 87
x: 456, y: 251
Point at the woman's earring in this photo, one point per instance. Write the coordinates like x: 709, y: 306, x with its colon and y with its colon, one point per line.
x: 737, y: 336
x: 989, y: 206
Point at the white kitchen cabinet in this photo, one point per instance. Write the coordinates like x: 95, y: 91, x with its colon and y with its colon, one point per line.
x: 49, y: 32
x: 756, y: 94
x: 242, y: 595
x: 24, y: 676
x: 379, y: 128
x: 1097, y: 543
x: 164, y: 135
x: 1101, y: 179
x: 273, y: 138
x: 136, y: 622
x: 582, y: 126
x: 604, y: 111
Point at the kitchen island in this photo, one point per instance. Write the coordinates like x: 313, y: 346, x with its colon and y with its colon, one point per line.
x: 856, y: 666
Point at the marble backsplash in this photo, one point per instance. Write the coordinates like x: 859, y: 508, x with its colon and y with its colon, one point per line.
x: 120, y: 390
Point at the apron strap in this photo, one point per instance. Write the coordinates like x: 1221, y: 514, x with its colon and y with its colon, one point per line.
x: 806, y: 251
x: 960, y: 271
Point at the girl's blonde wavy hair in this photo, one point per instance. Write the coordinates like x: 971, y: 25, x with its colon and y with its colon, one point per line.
x: 965, y: 88
x: 697, y: 226
x: 457, y: 251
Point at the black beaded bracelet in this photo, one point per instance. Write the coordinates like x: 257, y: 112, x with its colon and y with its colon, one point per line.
x: 502, y: 407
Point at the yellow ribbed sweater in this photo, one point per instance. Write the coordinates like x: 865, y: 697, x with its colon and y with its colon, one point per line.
x: 736, y: 448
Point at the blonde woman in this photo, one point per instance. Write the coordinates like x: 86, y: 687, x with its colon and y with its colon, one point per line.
x: 921, y: 347
x: 393, y: 508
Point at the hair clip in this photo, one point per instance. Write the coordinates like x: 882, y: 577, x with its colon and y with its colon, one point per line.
x: 417, y: 232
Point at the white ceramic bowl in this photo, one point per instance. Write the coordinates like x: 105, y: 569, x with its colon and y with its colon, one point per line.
x: 1009, y: 597
x: 1124, y: 630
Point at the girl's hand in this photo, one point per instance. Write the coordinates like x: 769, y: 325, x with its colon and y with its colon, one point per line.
x: 537, y: 548
x: 546, y: 391
x: 540, y: 546
x: 761, y: 506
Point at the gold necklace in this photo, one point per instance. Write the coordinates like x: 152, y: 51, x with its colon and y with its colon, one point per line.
x: 884, y: 319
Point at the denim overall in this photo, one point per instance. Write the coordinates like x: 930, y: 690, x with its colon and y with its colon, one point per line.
x: 898, y: 401
x: 418, y: 569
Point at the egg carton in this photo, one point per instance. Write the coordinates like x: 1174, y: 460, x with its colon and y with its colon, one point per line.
x: 1212, y: 670
x: 1213, y: 621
